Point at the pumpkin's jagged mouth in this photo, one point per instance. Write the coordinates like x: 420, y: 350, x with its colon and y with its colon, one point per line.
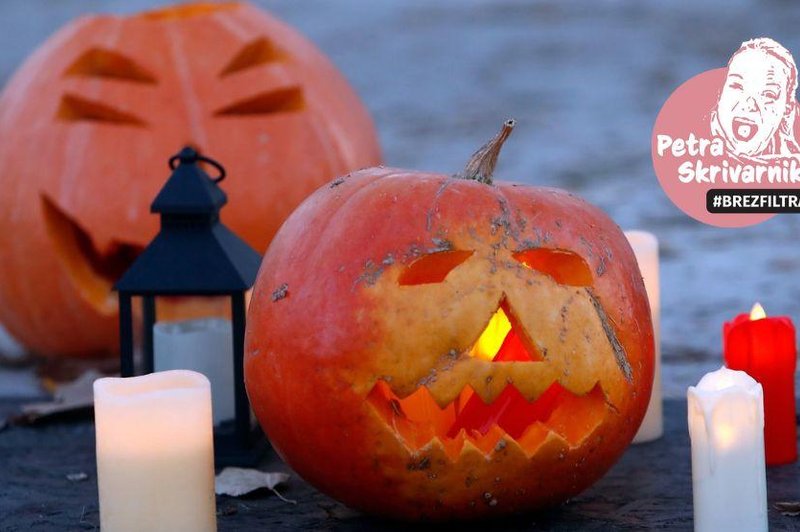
x: 93, y: 272
x: 418, y: 420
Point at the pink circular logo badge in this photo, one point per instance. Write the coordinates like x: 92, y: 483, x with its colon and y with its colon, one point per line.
x: 724, y: 144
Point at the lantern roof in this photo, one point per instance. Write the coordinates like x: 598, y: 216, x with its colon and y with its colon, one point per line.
x: 189, y: 189
x: 193, y: 253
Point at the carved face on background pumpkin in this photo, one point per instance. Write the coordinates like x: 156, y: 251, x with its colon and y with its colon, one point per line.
x: 424, y: 346
x: 90, y: 119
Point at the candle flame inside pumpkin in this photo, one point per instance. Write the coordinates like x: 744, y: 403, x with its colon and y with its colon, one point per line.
x: 492, y: 337
x: 757, y: 312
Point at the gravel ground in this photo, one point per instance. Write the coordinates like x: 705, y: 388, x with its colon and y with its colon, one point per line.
x: 585, y: 81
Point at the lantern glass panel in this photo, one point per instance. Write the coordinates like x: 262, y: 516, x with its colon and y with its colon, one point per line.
x: 193, y: 332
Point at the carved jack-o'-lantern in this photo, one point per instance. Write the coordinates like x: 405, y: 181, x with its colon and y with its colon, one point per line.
x: 426, y: 346
x: 88, y: 121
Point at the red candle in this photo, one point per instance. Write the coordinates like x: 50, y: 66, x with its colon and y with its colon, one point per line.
x: 765, y: 349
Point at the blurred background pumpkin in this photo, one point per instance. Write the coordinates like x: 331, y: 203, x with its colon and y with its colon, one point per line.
x: 90, y: 119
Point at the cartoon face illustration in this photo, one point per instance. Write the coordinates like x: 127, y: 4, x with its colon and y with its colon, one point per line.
x: 756, y: 104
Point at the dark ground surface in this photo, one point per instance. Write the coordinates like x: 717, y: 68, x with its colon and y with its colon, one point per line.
x: 650, y: 487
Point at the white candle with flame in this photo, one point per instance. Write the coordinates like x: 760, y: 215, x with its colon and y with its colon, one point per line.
x: 155, y: 453
x: 645, y: 247
x: 726, y: 427
x: 204, y: 345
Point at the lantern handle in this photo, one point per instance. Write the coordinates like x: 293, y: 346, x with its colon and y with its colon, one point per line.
x: 195, y: 157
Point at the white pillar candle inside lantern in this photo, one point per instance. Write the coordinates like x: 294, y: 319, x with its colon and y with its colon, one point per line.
x: 155, y: 453
x: 203, y: 345
x: 645, y: 247
x: 726, y: 426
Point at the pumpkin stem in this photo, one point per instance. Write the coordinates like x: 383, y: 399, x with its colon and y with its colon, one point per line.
x: 481, y: 165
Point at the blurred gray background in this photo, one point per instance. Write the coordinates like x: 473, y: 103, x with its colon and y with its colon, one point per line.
x: 585, y: 81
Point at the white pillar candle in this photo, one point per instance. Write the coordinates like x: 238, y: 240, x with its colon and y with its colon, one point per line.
x: 726, y: 427
x: 202, y: 345
x: 645, y: 247
x: 155, y: 453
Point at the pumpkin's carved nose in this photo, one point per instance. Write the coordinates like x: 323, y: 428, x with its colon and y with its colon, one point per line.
x: 504, y: 339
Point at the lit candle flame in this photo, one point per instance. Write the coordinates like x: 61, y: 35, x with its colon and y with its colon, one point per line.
x: 492, y: 337
x: 757, y: 312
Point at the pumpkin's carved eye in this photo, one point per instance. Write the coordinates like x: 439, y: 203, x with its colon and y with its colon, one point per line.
x: 564, y: 267
x: 259, y: 52
x: 102, y: 63
x: 266, y: 103
x: 75, y: 108
x: 432, y: 268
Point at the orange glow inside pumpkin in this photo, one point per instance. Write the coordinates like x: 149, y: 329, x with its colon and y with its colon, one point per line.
x: 432, y: 268
x: 417, y: 419
x: 503, y: 340
x: 258, y: 52
x: 270, y: 102
x: 74, y: 108
x: 563, y: 266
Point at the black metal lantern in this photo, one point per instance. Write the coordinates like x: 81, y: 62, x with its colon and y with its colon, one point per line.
x: 194, y: 254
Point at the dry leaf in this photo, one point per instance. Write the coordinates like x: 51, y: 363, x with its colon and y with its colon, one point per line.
x: 237, y: 481
x: 788, y: 508
x: 55, y: 372
x: 72, y: 397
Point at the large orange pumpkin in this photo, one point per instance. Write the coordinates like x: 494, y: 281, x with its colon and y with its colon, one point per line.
x: 426, y: 346
x: 88, y: 121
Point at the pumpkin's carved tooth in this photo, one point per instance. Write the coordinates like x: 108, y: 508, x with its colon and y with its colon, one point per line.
x: 443, y: 394
x: 577, y: 416
x: 450, y: 447
x: 551, y: 440
x: 267, y: 103
x: 486, y: 443
x: 468, y: 448
x: 533, y: 438
x: 460, y: 448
